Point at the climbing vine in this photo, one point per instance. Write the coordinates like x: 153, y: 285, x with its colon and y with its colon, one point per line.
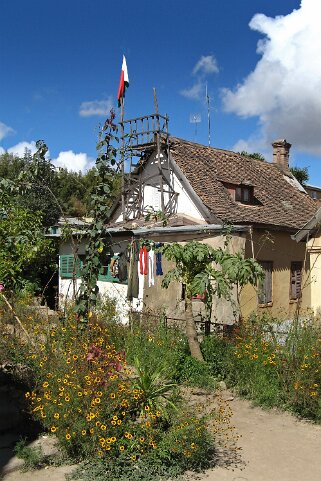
x: 97, y: 245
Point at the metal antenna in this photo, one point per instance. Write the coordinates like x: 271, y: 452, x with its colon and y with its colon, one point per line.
x: 195, y: 119
x: 208, y: 114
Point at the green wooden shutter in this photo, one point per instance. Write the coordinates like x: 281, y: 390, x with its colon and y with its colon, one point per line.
x: 66, y: 266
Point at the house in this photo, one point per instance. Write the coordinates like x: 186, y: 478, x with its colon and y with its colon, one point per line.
x: 314, y: 192
x: 310, y: 236
x: 200, y: 190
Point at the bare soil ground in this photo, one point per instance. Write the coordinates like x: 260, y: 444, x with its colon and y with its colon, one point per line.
x: 274, y: 446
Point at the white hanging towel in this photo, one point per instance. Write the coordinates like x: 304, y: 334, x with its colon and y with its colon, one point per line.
x: 151, y: 273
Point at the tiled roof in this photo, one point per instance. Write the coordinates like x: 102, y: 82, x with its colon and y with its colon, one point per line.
x: 279, y: 200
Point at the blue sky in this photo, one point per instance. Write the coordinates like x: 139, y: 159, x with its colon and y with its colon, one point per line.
x: 61, y: 60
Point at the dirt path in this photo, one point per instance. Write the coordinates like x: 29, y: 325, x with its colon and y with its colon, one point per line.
x: 274, y: 447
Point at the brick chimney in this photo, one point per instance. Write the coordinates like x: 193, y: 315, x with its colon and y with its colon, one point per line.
x: 281, y: 149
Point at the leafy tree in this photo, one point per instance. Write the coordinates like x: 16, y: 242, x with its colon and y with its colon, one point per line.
x: 254, y: 155
x: 71, y: 192
x: 300, y: 173
x: 10, y: 166
x: 21, y: 238
x: 205, y: 270
x: 38, y: 189
x: 47, y: 187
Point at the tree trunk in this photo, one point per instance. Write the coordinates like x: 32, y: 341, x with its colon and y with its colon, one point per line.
x: 191, y: 332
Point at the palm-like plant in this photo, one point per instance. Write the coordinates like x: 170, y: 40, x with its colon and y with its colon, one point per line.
x: 157, y: 391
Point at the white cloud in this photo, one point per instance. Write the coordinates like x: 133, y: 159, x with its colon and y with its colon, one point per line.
x: 96, y: 107
x: 67, y: 159
x: 72, y: 161
x: 254, y: 144
x: 283, y: 90
x: 2, y: 151
x: 20, y: 148
x: 5, y: 130
x: 196, y: 92
x: 207, y: 64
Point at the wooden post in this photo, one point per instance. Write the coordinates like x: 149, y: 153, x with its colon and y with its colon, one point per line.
x: 158, y: 151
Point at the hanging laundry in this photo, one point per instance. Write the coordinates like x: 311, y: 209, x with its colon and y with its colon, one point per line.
x: 143, y: 259
x: 151, y: 278
x: 159, y: 270
x: 133, y: 284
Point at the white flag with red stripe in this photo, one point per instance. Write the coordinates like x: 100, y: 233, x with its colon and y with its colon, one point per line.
x: 123, y: 82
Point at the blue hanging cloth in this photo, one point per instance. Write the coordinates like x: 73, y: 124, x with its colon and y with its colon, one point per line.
x: 159, y: 271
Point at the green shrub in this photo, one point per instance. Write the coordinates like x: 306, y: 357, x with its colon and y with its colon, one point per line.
x: 195, y: 373
x: 301, y: 369
x: 185, y: 445
x: 254, y: 371
x: 216, y: 353
x: 273, y: 363
x: 33, y: 457
x: 115, y: 413
x: 157, y: 347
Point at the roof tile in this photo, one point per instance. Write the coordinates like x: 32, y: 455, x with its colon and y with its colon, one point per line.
x: 279, y: 202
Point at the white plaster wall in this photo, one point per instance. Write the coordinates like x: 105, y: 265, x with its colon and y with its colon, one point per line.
x: 115, y: 291
x: 185, y: 205
x: 151, y: 191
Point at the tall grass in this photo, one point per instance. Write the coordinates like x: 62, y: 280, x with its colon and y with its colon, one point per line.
x: 273, y: 363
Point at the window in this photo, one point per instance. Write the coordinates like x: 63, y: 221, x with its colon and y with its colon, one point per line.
x: 241, y: 193
x: 68, y: 268
x: 244, y: 193
x: 115, y: 269
x: 109, y: 272
x: 265, y: 286
x: 314, y: 195
x: 295, y: 280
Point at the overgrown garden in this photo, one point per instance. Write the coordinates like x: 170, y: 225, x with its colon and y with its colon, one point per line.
x: 115, y: 396
x: 272, y: 362
x: 110, y: 394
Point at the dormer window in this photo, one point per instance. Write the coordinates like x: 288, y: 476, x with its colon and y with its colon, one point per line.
x: 244, y: 194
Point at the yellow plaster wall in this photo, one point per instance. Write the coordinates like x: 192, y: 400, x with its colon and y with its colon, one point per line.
x: 314, y: 255
x: 279, y: 248
x: 170, y: 300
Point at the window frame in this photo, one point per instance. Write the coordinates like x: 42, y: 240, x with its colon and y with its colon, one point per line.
x: 244, y: 194
x: 107, y: 277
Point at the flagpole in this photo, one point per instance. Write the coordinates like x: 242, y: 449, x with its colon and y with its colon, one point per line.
x: 123, y: 83
x: 122, y: 148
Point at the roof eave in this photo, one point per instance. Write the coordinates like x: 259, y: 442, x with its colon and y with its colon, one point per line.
x: 302, y: 233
